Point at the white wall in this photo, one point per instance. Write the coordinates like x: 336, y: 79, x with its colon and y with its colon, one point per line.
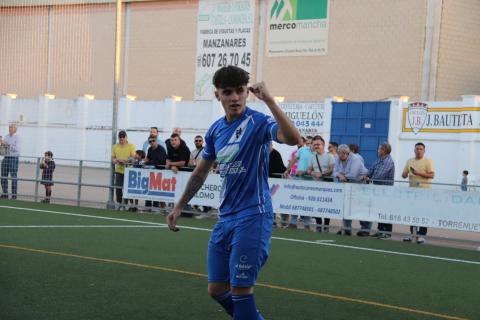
x: 81, y: 129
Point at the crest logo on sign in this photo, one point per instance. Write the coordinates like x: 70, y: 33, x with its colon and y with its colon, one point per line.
x: 417, y: 114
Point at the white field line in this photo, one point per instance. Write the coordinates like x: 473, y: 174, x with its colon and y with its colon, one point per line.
x: 275, y: 238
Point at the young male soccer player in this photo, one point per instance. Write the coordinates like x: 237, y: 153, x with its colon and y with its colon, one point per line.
x: 240, y: 241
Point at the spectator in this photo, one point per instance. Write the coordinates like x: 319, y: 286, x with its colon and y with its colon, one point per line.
x: 420, y: 172
x: 355, y: 149
x: 293, y: 168
x: 138, y: 162
x: 196, y: 154
x: 348, y: 168
x: 153, y: 132
x: 156, y: 157
x: 122, y: 154
x: 178, y: 155
x: 178, y: 132
x: 276, y: 168
x: 321, y: 166
x: 382, y: 172
x: 139, y: 159
x: 464, y: 184
x: 303, y: 156
x: 156, y: 154
x: 12, y: 144
x: 48, y: 166
x: 332, y: 149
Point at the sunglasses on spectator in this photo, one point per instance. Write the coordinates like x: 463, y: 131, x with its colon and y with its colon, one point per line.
x: 151, y: 141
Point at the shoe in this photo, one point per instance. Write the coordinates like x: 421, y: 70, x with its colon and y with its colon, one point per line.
x: 407, y: 239
x: 132, y: 209
x: 339, y: 232
x: 348, y: 232
x: 4, y: 196
x: 420, y: 240
x: 384, y: 236
x: 43, y: 201
x: 292, y: 226
x: 363, y: 234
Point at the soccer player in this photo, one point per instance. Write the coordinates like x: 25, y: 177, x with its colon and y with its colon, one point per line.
x: 240, y: 241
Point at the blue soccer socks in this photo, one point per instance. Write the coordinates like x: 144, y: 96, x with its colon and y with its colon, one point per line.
x: 245, y: 308
x: 225, y: 300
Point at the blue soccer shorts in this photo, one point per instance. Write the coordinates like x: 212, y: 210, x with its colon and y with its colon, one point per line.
x: 238, y: 248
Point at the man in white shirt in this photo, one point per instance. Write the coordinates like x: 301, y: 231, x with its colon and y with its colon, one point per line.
x: 11, y: 143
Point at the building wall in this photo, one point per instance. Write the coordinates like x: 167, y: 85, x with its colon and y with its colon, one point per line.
x: 459, y: 58
x: 375, y: 50
x: 18, y: 58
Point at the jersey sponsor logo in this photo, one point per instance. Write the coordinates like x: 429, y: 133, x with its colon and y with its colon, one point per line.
x: 153, y: 184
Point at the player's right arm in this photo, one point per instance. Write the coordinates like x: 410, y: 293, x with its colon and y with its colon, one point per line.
x: 193, y: 185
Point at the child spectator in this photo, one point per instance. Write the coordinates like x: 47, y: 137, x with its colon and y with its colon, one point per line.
x: 48, y: 166
x: 137, y: 162
x: 464, y: 184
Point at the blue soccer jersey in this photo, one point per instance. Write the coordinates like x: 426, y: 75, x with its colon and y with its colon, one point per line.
x: 241, y: 148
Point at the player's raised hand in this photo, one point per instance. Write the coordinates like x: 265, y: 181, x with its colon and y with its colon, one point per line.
x: 260, y: 91
x: 172, y: 219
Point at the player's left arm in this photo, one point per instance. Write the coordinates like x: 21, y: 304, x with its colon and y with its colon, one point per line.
x: 287, y: 133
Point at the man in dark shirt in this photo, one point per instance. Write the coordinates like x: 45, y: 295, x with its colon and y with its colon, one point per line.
x: 276, y: 166
x: 168, y: 143
x: 179, y: 155
x: 156, y: 155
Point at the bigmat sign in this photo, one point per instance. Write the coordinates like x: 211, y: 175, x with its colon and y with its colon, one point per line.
x: 445, y: 209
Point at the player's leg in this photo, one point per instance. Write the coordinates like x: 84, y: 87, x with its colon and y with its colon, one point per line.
x: 218, y: 269
x: 250, y: 249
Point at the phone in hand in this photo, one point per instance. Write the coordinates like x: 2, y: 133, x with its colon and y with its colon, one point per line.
x: 411, y: 169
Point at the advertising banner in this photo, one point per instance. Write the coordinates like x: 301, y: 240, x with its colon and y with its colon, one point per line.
x: 307, y: 198
x: 446, y: 209
x: 297, y: 28
x: 422, y: 117
x: 309, y: 118
x: 224, y: 37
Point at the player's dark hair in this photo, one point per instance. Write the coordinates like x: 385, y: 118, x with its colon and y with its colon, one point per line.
x: 230, y: 76
x: 174, y: 135
x: 49, y: 154
x: 465, y: 172
x: 140, y: 153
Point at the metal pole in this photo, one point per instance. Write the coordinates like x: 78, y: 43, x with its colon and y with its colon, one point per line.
x: 116, y: 96
x: 79, y: 188
x: 37, y: 178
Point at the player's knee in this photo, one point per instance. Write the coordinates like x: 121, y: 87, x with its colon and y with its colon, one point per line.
x: 238, y: 291
x: 217, y: 288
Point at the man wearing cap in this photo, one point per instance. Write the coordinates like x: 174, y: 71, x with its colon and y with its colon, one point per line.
x: 122, y: 154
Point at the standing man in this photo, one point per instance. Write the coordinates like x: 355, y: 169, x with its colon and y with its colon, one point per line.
x: 122, y: 154
x: 153, y: 132
x: 420, y: 172
x: 178, y: 155
x: 321, y: 166
x: 196, y: 154
x: 240, y: 241
x: 382, y: 172
x: 12, y: 144
x: 348, y: 168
